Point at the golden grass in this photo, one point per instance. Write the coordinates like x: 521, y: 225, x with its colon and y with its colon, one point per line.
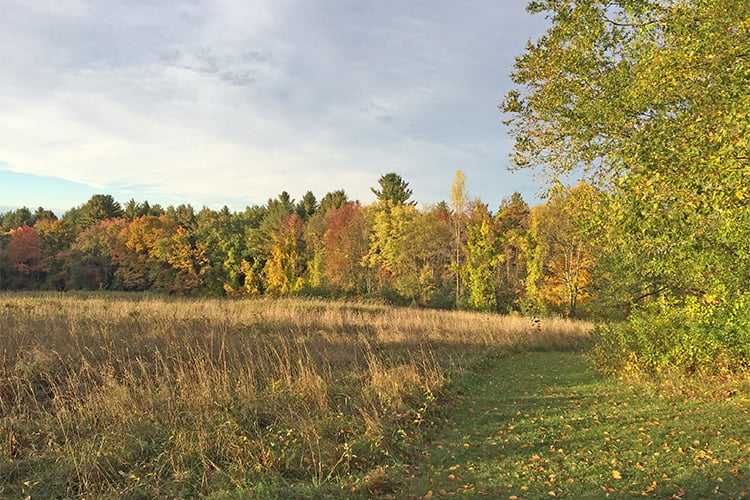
x: 147, y: 396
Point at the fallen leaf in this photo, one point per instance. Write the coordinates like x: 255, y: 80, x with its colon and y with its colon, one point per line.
x: 616, y: 474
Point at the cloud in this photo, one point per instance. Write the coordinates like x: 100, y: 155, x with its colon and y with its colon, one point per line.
x: 211, y: 100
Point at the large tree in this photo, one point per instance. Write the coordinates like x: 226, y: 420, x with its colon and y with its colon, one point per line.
x: 394, y: 190
x: 560, y: 259
x: 100, y: 207
x: 458, y: 203
x: 512, y: 222
x: 650, y: 101
x: 482, y: 258
x: 345, y: 247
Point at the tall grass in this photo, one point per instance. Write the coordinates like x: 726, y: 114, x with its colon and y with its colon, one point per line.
x: 115, y: 395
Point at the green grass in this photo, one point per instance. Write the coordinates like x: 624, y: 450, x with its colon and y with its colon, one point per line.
x: 111, y: 396
x: 135, y: 396
x: 542, y: 424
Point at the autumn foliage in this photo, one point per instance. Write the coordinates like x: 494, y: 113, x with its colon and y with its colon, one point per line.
x: 468, y: 257
x: 24, y: 250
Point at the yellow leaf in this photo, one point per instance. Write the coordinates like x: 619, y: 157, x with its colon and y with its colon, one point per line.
x: 616, y: 474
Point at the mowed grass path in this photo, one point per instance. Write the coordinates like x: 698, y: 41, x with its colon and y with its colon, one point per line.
x: 543, y: 424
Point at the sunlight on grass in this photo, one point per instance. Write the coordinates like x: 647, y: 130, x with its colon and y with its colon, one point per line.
x: 146, y: 396
x: 542, y: 424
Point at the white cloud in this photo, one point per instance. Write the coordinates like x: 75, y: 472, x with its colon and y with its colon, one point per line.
x: 212, y: 100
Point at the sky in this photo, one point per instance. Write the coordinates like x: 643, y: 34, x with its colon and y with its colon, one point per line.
x: 230, y: 102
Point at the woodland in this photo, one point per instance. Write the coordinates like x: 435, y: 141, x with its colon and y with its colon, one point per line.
x: 439, y: 257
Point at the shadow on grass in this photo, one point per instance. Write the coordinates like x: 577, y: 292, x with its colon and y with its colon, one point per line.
x: 543, y: 424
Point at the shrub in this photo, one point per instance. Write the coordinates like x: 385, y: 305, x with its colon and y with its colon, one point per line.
x: 694, y: 336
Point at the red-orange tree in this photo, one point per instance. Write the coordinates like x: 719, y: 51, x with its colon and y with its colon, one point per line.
x: 24, y: 253
x: 345, y: 247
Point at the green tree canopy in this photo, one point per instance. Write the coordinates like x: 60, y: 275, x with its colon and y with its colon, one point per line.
x: 307, y: 206
x: 334, y: 199
x: 16, y: 218
x: 393, y: 190
x: 100, y: 207
x: 650, y: 101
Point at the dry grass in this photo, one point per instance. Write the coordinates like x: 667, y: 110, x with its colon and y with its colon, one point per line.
x: 137, y: 396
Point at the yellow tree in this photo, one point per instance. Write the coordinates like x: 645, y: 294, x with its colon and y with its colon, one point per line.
x: 411, y: 251
x: 142, y: 253
x: 458, y: 203
x: 650, y: 100
x: 188, y: 258
x: 482, y: 258
x: 560, y: 260
x: 285, y: 267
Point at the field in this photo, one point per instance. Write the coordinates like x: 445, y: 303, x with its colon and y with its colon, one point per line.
x: 143, y: 397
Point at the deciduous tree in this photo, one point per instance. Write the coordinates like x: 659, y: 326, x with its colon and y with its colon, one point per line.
x: 345, y: 247
x: 285, y: 267
x: 561, y: 259
x: 650, y: 99
x: 24, y: 253
x: 512, y: 223
x: 458, y: 203
x: 482, y: 258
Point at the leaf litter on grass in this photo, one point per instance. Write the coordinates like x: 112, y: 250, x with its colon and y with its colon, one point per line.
x: 542, y: 424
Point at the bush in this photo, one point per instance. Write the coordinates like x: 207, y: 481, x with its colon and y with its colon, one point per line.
x: 697, y: 335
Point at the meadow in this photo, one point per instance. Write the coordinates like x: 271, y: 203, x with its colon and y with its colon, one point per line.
x: 105, y: 395
x: 139, y: 396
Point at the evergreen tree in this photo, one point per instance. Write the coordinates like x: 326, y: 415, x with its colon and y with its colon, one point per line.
x: 307, y: 206
x: 100, y: 207
x: 333, y: 200
x: 394, y: 191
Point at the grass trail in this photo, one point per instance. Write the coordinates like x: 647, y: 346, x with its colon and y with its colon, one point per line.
x: 542, y: 424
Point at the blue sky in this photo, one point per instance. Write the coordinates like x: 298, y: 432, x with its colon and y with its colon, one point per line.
x: 214, y: 102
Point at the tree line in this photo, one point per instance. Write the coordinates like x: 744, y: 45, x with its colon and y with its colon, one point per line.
x: 457, y: 255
